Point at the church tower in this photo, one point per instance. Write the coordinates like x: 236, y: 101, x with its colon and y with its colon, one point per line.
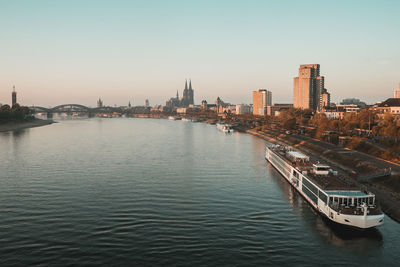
x: 185, y: 96
x: 13, y: 97
x: 191, y: 93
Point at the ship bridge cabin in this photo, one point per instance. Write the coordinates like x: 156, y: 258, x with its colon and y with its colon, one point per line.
x: 351, y: 202
x: 351, y: 198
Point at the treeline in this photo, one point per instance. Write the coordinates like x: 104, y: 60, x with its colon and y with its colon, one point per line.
x: 379, y: 136
x: 364, y: 121
x: 15, y: 113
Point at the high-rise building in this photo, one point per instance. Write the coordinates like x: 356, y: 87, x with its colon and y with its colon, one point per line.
x: 397, y: 92
x: 309, y: 88
x: 325, y: 99
x: 261, y: 100
x: 13, y: 97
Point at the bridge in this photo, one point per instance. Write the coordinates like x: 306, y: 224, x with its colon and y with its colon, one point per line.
x: 73, y: 108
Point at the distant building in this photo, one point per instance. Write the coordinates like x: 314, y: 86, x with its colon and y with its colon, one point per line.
x: 338, y: 111
x: 325, y: 99
x: 186, y: 100
x: 99, y: 103
x: 13, y: 97
x: 391, y: 106
x: 147, y: 103
x: 353, y: 101
x: 243, y: 109
x: 309, y: 90
x: 129, y: 104
x: 188, y: 95
x: 397, y: 92
x: 275, y: 109
x: 157, y: 108
x: 219, y: 104
x: 261, y: 100
x: 204, y: 104
x: 181, y: 110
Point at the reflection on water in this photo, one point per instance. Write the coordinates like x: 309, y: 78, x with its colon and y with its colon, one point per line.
x: 160, y: 193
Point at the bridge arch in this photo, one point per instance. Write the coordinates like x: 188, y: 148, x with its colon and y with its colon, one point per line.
x: 37, y: 109
x: 70, y: 107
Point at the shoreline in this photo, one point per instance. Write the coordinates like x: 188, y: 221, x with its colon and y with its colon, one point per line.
x: 15, y: 126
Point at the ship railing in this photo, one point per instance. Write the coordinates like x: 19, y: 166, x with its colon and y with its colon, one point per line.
x: 355, y: 210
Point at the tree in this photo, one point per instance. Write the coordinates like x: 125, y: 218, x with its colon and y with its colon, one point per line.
x: 290, y: 124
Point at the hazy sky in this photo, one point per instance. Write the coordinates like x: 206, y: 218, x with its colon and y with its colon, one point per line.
x: 59, y: 52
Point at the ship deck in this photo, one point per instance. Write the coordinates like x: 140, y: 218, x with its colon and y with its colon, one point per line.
x: 325, y: 182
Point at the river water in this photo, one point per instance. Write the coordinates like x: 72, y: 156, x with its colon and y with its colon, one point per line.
x: 150, y: 192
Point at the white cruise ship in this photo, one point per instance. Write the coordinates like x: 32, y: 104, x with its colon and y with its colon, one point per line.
x: 226, y: 128
x: 328, y: 194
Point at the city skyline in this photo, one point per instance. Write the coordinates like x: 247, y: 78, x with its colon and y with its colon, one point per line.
x: 132, y: 51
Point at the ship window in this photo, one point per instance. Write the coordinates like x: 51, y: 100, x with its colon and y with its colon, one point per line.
x: 313, y: 197
x: 345, y: 201
x: 336, y: 200
x: 371, y: 200
x: 310, y: 186
x: 330, y: 200
x: 323, y: 197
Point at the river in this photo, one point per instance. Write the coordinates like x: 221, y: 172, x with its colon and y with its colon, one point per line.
x: 150, y: 192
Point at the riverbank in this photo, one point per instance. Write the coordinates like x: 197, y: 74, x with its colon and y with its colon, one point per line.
x: 14, y: 126
x: 388, y: 199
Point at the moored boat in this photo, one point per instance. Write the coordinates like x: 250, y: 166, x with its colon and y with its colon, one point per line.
x: 333, y: 197
x: 173, y: 118
x: 226, y: 128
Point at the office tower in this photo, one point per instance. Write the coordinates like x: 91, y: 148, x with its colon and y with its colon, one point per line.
x: 309, y: 88
x: 261, y: 100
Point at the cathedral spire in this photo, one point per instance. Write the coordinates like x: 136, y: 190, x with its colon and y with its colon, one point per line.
x: 177, y: 94
x: 186, y: 85
x: 190, y: 84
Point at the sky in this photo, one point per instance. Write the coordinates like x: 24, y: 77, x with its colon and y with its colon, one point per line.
x: 57, y: 52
